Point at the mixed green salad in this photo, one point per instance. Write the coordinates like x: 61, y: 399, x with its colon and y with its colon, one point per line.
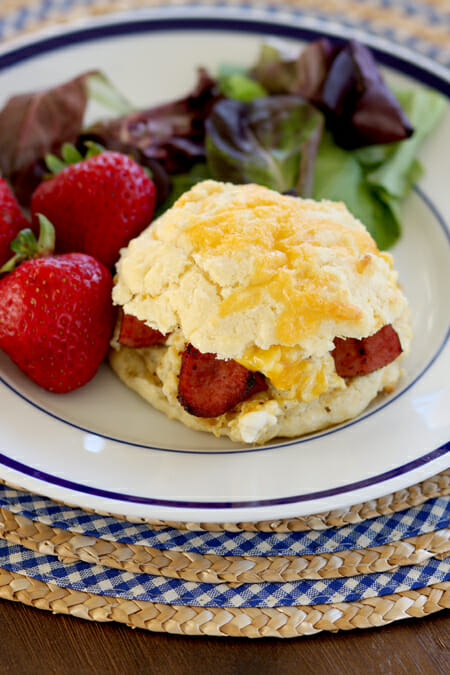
x: 316, y: 122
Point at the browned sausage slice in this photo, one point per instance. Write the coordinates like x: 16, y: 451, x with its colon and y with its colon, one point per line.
x: 136, y: 333
x: 360, y: 357
x: 209, y: 386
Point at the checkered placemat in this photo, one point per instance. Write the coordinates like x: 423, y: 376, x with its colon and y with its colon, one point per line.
x: 433, y: 515
x: 102, y: 580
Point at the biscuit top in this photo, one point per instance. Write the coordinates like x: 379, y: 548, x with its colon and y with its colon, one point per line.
x: 243, y: 272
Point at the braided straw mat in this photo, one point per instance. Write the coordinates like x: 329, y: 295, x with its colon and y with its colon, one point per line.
x: 425, y: 25
x: 233, y: 571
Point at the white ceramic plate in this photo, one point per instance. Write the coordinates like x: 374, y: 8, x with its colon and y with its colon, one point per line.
x: 103, y: 447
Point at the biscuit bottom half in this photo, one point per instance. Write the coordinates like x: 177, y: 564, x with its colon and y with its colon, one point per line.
x: 152, y: 372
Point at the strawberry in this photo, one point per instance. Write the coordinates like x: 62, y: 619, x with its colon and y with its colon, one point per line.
x: 96, y: 204
x: 56, y: 314
x: 12, y: 220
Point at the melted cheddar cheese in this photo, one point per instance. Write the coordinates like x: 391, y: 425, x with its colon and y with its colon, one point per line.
x: 290, y: 372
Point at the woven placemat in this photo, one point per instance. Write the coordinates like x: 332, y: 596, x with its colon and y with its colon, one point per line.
x: 198, y: 582
x: 383, y: 542
x: 283, y: 622
x: 360, y: 567
x: 213, y: 568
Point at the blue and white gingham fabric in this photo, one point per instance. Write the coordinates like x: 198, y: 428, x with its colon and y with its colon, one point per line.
x: 428, y: 517
x: 106, y: 581
x: 433, y: 515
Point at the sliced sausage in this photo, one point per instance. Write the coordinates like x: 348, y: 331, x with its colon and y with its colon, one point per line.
x: 136, y: 333
x: 209, y: 386
x: 360, y: 357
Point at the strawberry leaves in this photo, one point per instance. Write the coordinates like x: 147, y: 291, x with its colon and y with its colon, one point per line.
x: 71, y: 155
x: 26, y: 246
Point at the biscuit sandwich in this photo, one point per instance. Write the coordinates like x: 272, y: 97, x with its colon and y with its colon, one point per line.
x: 255, y: 315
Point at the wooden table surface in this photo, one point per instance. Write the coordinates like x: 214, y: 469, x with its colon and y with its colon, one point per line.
x: 34, y: 641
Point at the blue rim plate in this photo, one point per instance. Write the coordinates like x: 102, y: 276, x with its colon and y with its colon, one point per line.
x: 104, y: 448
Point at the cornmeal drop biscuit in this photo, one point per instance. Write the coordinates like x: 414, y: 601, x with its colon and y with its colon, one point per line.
x: 251, y: 314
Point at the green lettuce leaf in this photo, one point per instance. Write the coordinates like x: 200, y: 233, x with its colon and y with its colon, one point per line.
x: 339, y: 176
x: 236, y: 84
x: 374, y: 181
x: 183, y: 182
x: 271, y: 141
x: 397, y: 168
x: 102, y: 90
